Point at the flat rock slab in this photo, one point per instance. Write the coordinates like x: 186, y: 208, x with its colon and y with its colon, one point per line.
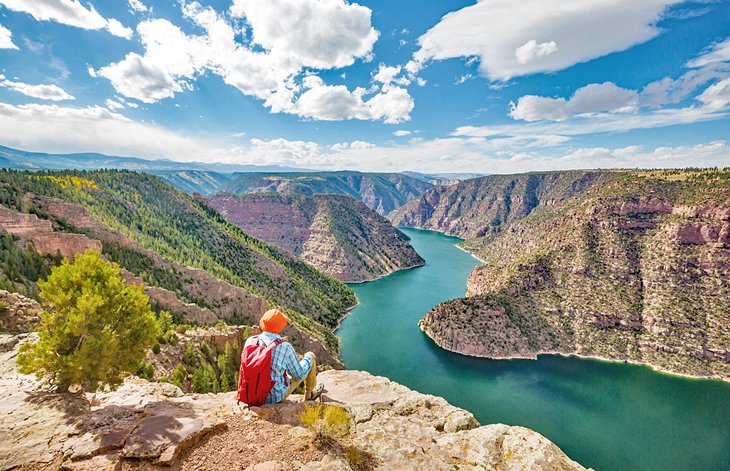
x: 166, y: 429
x: 137, y: 392
x: 359, y: 388
x: 33, y: 423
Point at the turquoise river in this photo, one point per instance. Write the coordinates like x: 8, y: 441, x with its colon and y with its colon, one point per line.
x: 609, y: 416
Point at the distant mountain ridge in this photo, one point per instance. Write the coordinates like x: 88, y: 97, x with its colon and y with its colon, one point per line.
x: 195, y: 181
x: 382, y: 192
x: 19, y: 159
x: 336, y: 234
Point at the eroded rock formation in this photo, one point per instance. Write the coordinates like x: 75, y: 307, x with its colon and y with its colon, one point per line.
x: 635, y: 269
x: 338, y: 235
x: 41, y: 233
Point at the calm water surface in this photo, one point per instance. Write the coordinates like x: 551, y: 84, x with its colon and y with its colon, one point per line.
x: 609, y: 416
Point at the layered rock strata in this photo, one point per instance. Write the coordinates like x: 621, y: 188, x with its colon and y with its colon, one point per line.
x: 338, y: 235
x: 635, y: 269
x: 41, y: 233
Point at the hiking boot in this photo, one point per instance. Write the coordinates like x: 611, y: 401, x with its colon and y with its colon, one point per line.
x: 314, y: 395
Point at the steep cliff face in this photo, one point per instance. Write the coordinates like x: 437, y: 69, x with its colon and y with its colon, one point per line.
x: 338, y: 235
x: 482, y: 206
x: 637, y: 270
x: 381, y: 192
x: 146, y: 425
x: 41, y: 233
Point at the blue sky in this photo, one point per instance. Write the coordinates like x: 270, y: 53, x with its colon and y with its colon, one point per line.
x: 435, y: 86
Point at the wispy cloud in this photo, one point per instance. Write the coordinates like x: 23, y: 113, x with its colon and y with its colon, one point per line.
x: 44, y: 92
x: 68, y: 12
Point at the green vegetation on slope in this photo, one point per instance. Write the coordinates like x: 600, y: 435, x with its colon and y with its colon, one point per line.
x: 183, y: 230
x: 21, y: 266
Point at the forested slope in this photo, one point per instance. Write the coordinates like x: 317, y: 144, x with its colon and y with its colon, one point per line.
x: 156, y: 232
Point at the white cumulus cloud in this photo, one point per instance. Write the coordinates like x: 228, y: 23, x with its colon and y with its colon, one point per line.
x: 6, y: 39
x: 44, y: 92
x: 335, y: 35
x: 592, y: 98
x: 113, y: 105
x: 321, y: 34
x: 717, y: 96
x: 336, y: 102
x: 390, y: 75
x: 68, y: 12
x: 515, y: 38
x: 670, y: 91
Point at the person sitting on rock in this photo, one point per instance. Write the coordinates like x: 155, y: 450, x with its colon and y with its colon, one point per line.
x: 287, y: 370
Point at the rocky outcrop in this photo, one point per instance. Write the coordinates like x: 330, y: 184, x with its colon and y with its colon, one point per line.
x: 381, y: 192
x: 141, y: 420
x: 338, y: 235
x: 403, y: 429
x: 18, y: 314
x: 690, y: 233
x: 40, y: 232
x: 145, y: 425
x: 632, y: 272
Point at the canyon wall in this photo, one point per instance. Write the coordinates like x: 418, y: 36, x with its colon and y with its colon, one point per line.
x: 636, y: 269
x: 381, y: 192
x: 336, y: 234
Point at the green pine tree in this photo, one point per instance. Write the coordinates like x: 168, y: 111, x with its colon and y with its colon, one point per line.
x: 96, y: 328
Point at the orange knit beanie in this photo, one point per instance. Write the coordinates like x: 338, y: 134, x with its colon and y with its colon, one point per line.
x: 273, y: 321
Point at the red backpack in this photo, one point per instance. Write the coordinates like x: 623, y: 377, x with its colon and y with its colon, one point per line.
x: 254, y: 376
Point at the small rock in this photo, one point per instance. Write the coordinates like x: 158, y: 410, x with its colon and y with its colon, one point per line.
x: 460, y: 422
x: 267, y: 466
x: 110, y: 462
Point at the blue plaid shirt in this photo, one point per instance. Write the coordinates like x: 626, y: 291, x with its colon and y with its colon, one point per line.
x: 283, y: 358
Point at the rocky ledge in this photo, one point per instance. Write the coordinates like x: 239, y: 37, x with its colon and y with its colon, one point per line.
x: 151, y: 426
